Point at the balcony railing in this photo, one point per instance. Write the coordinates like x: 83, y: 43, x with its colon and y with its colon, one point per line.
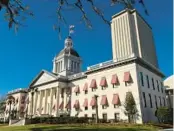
x: 16, y: 90
x: 110, y: 62
x: 77, y: 75
x: 103, y: 64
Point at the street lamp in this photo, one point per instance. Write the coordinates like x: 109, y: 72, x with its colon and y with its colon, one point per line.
x: 96, y: 97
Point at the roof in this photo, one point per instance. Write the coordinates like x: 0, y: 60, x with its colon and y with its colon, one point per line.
x: 168, y: 82
x: 67, y: 51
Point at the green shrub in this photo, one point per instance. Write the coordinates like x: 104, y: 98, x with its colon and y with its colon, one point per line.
x: 164, y: 114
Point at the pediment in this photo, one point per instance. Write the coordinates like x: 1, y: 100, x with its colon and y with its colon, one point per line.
x: 43, y: 77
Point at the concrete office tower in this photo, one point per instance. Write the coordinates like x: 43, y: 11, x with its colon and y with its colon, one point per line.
x: 132, y: 36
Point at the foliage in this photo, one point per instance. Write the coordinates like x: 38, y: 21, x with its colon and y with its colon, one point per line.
x: 60, y: 120
x: 80, y: 127
x: 2, y: 104
x: 16, y: 11
x: 130, y: 107
x: 164, y: 114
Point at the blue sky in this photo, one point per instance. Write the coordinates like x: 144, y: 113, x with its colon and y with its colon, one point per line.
x: 24, y: 55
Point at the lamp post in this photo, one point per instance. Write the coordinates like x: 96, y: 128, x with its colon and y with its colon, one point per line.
x: 96, y: 97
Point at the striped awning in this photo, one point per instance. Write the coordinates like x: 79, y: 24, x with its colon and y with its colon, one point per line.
x: 77, y: 89
x: 114, y: 79
x: 85, y: 104
x: 93, y: 84
x: 93, y: 102
x: 54, y: 106
x: 61, y: 105
x: 85, y: 88
x: 76, y: 104
x: 103, y: 82
x: 127, y: 77
x: 104, y: 100
x: 68, y: 105
x: 116, y: 100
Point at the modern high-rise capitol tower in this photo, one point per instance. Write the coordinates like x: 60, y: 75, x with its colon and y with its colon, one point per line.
x: 67, y: 91
x: 132, y: 36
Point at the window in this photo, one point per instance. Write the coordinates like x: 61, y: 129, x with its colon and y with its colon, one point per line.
x: 103, y: 88
x: 105, y: 116
x: 93, y: 116
x: 77, y: 93
x: 104, y: 106
x: 160, y: 101
x: 23, y: 100
x: 93, y: 89
x: 162, y: 87
x: 116, y: 106
x: 141, y: 78
x: 78, y: 67
x: 86, y: 91
x: 150, y: 99
x: 93, y: 107
x: 75, y: 66
x: 144, y: 98
x: 71, y: 65
x: 62, y: 93
x: 164, y: 102
x: 147, y: 79
x: 156, y: 102
x: 86, y: 115
x: 153, y: 84
x: 114, y: 85
x: 86, y: 108
x: 117, y: 116
x: 60, y: 66
x: 157, y: 85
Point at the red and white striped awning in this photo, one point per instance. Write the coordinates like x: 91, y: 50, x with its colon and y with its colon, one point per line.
x: 61, y: 105
x: 85, y: 104
x: 104, y: 100
x: 93, y: 84
x: 77, y: 89
x: 68, y: 105
x: 116, y: 100
x: 76, y: 104
x: 127, y: 77
x: 54, y: 107
x: 114, y: 79
x: 103, y: 82
x: 93, y: 102
x: 85, y: 88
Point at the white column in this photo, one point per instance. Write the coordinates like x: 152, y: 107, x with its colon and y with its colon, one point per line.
x: 40, y: 101
x: 45, y: 108
x: 36, y: 98
x: 51, y: 100
x: 30, y: 104
x: 57, y: 100
x: 65, y: 98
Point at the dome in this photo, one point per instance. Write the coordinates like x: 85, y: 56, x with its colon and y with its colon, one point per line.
x: 67, y: 51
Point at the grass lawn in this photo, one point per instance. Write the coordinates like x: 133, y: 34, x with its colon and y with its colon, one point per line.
x: 104, y: 127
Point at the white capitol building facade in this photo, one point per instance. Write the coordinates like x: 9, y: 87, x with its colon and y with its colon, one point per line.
x: 66, y: 91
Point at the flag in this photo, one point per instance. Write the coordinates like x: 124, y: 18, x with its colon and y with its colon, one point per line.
x: 71, y: 29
